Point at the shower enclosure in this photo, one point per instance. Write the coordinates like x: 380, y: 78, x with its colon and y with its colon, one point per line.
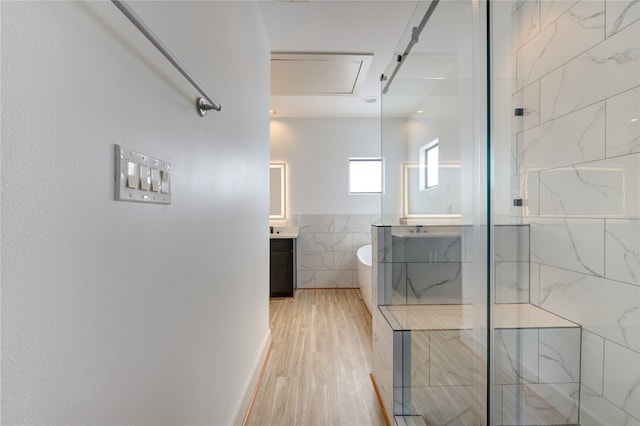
x: 506, y: 267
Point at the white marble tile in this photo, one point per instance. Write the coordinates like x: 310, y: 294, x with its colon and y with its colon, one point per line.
x: 305, y: 279
x: 334, y: 241
x: 512, y: 282
x: 572, y: 33
x: 550, y: 10
x: 334, y: 279
x: 622, y: 260
x: 525, y: 315
x: 516, y: 356
x: 608, y: 308
x: 574, y: 138
x: 316, y: 223
x: 621, y: 13
x: 540, y: 404
x: 531, y: 194
x: 579, y: 82
x: 606, y: 188
x: 352, y: 223
x: 623, y: 123
x: 597, y: 411
x: 559, y: 355
x: 434, y: 283
x: 592, y: 361
x: 344, y: 261
x: 525, y: 22
x: 529, y: 100
x: 511, y: 243
x: 360, y: 239
x: 315, y: 262
x: 622, y: 378
x: 574, y: 244
x: 306, y: 242
x: 534, y: 283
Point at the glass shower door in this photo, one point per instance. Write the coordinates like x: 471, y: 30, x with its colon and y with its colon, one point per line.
x: 432, y: 329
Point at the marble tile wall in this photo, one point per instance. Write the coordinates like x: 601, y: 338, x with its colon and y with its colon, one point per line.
x: 326, y: 249
x: 576, y: 153
x: 424, y: 269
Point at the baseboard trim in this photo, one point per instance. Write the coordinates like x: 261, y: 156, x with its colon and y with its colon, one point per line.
x: 375, y: 388
x: 251, y: 388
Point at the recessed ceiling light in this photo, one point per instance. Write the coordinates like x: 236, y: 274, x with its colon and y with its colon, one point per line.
x: 272, y: 112
x: 371, y: 99
x: 633, y: 120
x: 419, y: 111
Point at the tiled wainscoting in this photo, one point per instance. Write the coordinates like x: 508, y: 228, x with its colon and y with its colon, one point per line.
x: 429, y: 358
x: 577, y: 161
x: 326, y: 249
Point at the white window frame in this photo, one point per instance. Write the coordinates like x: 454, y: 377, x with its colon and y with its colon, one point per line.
x: 368, y: 159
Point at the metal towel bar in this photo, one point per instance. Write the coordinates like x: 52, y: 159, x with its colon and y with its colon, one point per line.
x: 201, y: 103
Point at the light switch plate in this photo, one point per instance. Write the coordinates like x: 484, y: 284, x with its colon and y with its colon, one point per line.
x: 140, y: 194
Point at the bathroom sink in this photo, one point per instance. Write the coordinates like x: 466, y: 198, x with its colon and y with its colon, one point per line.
x: 283, y: 232
x: 426, y: 231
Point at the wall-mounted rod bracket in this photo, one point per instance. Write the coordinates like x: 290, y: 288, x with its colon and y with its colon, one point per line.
x: 202, y: 104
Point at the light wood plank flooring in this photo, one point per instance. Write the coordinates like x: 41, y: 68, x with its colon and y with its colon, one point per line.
x: 318, y: 370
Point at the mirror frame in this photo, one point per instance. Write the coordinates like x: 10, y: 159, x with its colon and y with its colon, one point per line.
x: 276, y: 165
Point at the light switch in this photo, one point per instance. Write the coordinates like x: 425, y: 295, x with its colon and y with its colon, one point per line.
x: 141, y: 178
x: 164, y: 177
x: 155, y: 180
x: 132, y: 175
x: 145, y: 179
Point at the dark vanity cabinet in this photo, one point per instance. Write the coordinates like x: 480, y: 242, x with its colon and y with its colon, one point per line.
x: 283, y: 267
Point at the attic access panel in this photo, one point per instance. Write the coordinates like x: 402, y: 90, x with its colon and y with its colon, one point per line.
x: 318, y: 74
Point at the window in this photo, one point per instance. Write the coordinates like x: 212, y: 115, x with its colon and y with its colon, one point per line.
x: 429, y: 165
x: 365, y: 175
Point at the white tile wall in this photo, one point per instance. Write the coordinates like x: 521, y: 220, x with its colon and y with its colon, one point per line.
x: 592, y: 361
x: 608, y: 308
x: 580, y: 82
x: 574, y: 138
x: 605, y: 188
x: 621, y: 13
x: 623, y: 123
x: 571, y: 34
x: 621, y: 382
x: 326, y: 249
x: 622, y: 258
x: 570, y: 244
x: 581, y: 186
x: 597, y: 411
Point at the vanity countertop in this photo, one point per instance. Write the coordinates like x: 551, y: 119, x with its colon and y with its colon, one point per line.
x: 283, y: 232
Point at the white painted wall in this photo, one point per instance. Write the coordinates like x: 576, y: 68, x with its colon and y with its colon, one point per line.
x: 316, y: 151
x: 123, y: 313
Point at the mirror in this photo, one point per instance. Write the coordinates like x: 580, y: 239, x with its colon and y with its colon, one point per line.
x: 277, y: 179
x: 421, y: 200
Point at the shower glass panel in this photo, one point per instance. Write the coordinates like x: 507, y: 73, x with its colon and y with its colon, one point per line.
x: 432, y: 332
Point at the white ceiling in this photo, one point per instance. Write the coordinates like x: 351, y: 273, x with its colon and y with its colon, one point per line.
x: 338, y: 26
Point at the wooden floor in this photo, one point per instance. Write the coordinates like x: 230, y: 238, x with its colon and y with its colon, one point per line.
x: 318, y: 371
